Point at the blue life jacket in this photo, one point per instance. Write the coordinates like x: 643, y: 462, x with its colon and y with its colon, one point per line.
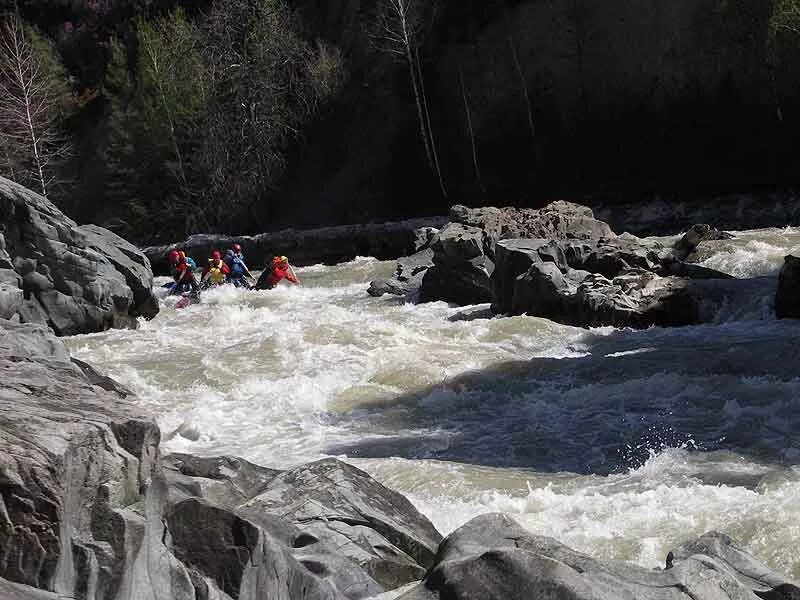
x: 191, y: 263
x: 237, y: 267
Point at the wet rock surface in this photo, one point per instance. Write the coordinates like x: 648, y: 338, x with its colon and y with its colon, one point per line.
x: 561, y: 263
x: 622, y: 281
x: 464, y: 250
x: 787, y: 297
x: 493, y: 558
x: 73, y: 279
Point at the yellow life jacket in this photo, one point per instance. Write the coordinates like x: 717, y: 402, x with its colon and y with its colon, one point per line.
x: 215, y: 274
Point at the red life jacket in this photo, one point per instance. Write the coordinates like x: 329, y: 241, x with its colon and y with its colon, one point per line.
x: 278, y: 274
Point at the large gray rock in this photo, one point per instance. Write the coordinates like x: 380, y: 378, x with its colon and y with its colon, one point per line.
x: 464, y: 250
x: 621, y: 281
x: 327, y: 516
x: 462, y: 266
x: 787, y: 298
x: 407, y: 278
x: 493, y: 558
x: 74, y: 279
x: 80, y: 498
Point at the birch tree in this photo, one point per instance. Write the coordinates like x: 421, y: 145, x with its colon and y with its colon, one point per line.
x: 400, y: 24
x: 32, y: 90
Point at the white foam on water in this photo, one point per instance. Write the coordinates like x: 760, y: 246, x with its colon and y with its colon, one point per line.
x: 638, y: 516
x: 491, y: 414
x: 751, y: 253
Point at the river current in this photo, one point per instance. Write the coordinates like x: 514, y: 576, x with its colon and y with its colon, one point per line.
x: 619, y: 443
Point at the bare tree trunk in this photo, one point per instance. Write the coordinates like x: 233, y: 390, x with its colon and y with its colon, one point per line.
x: 418, y: 99
x: 28, y: 108
x: 468, y: 115
x: 156, y: 65
x: 523, y: 84
x: 434, y: 153
x: 19, y: 68
x: 520, y: 74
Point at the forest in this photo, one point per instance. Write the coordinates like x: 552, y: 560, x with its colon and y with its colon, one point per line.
x: 161, y: 118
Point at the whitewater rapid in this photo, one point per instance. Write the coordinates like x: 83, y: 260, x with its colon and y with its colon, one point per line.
x: 619, y: 443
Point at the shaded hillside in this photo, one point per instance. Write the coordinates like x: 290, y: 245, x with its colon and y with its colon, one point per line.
x: 525, y: 101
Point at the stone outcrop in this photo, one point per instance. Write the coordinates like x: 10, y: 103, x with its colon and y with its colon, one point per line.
x: 787, y: 298
x: 89, y: 510
x: 493, y: 558
x: 74, y: 279
x: 328, y: 245
x: 561, y: 263
x: 462, y: 260
x: 666, y: 215
x: 621, y: 281
x: 407, y: 278
x: 76, y: 462
x: 328, y: 516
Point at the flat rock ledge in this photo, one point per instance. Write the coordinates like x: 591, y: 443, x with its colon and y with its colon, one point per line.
x: 75, y: 279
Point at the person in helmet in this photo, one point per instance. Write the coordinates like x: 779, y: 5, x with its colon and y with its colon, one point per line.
x: 182, y: 272
x: 216, y: 271
x: 276, y: 271
x: 234, y: 258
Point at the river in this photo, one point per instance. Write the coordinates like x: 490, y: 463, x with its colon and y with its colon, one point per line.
x: 619, y: 443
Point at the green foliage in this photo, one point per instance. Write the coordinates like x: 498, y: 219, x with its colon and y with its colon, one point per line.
x: 198, y: 134
x: 786, y: 17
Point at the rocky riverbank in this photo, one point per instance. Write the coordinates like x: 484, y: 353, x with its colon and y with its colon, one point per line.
x: 90, y: 509
x: 665, y: 216
x: 563, y: 264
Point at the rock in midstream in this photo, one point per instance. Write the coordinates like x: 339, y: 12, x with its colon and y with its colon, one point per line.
x: 494, y: 558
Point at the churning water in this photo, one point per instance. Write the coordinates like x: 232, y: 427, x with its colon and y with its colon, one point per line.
x: 620, y: 443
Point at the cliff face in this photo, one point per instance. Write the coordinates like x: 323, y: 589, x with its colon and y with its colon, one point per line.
x: 540, y: 98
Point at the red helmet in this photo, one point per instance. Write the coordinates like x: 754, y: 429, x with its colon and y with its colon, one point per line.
x: 237, y: 248
x: 174, y: 257
x: 216, y: 255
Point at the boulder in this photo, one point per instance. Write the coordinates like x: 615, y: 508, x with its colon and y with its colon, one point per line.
x: 81, y: 512
x: 327, y: 515
x: 621, y: 281
x: 494, y: 558
x: 463, y: 251
x: 462, y: 266
x: 787, y: 298
x: 407, y: 277
x: 694, y: 236
x: 557, y: 220
x: 74, y: 279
